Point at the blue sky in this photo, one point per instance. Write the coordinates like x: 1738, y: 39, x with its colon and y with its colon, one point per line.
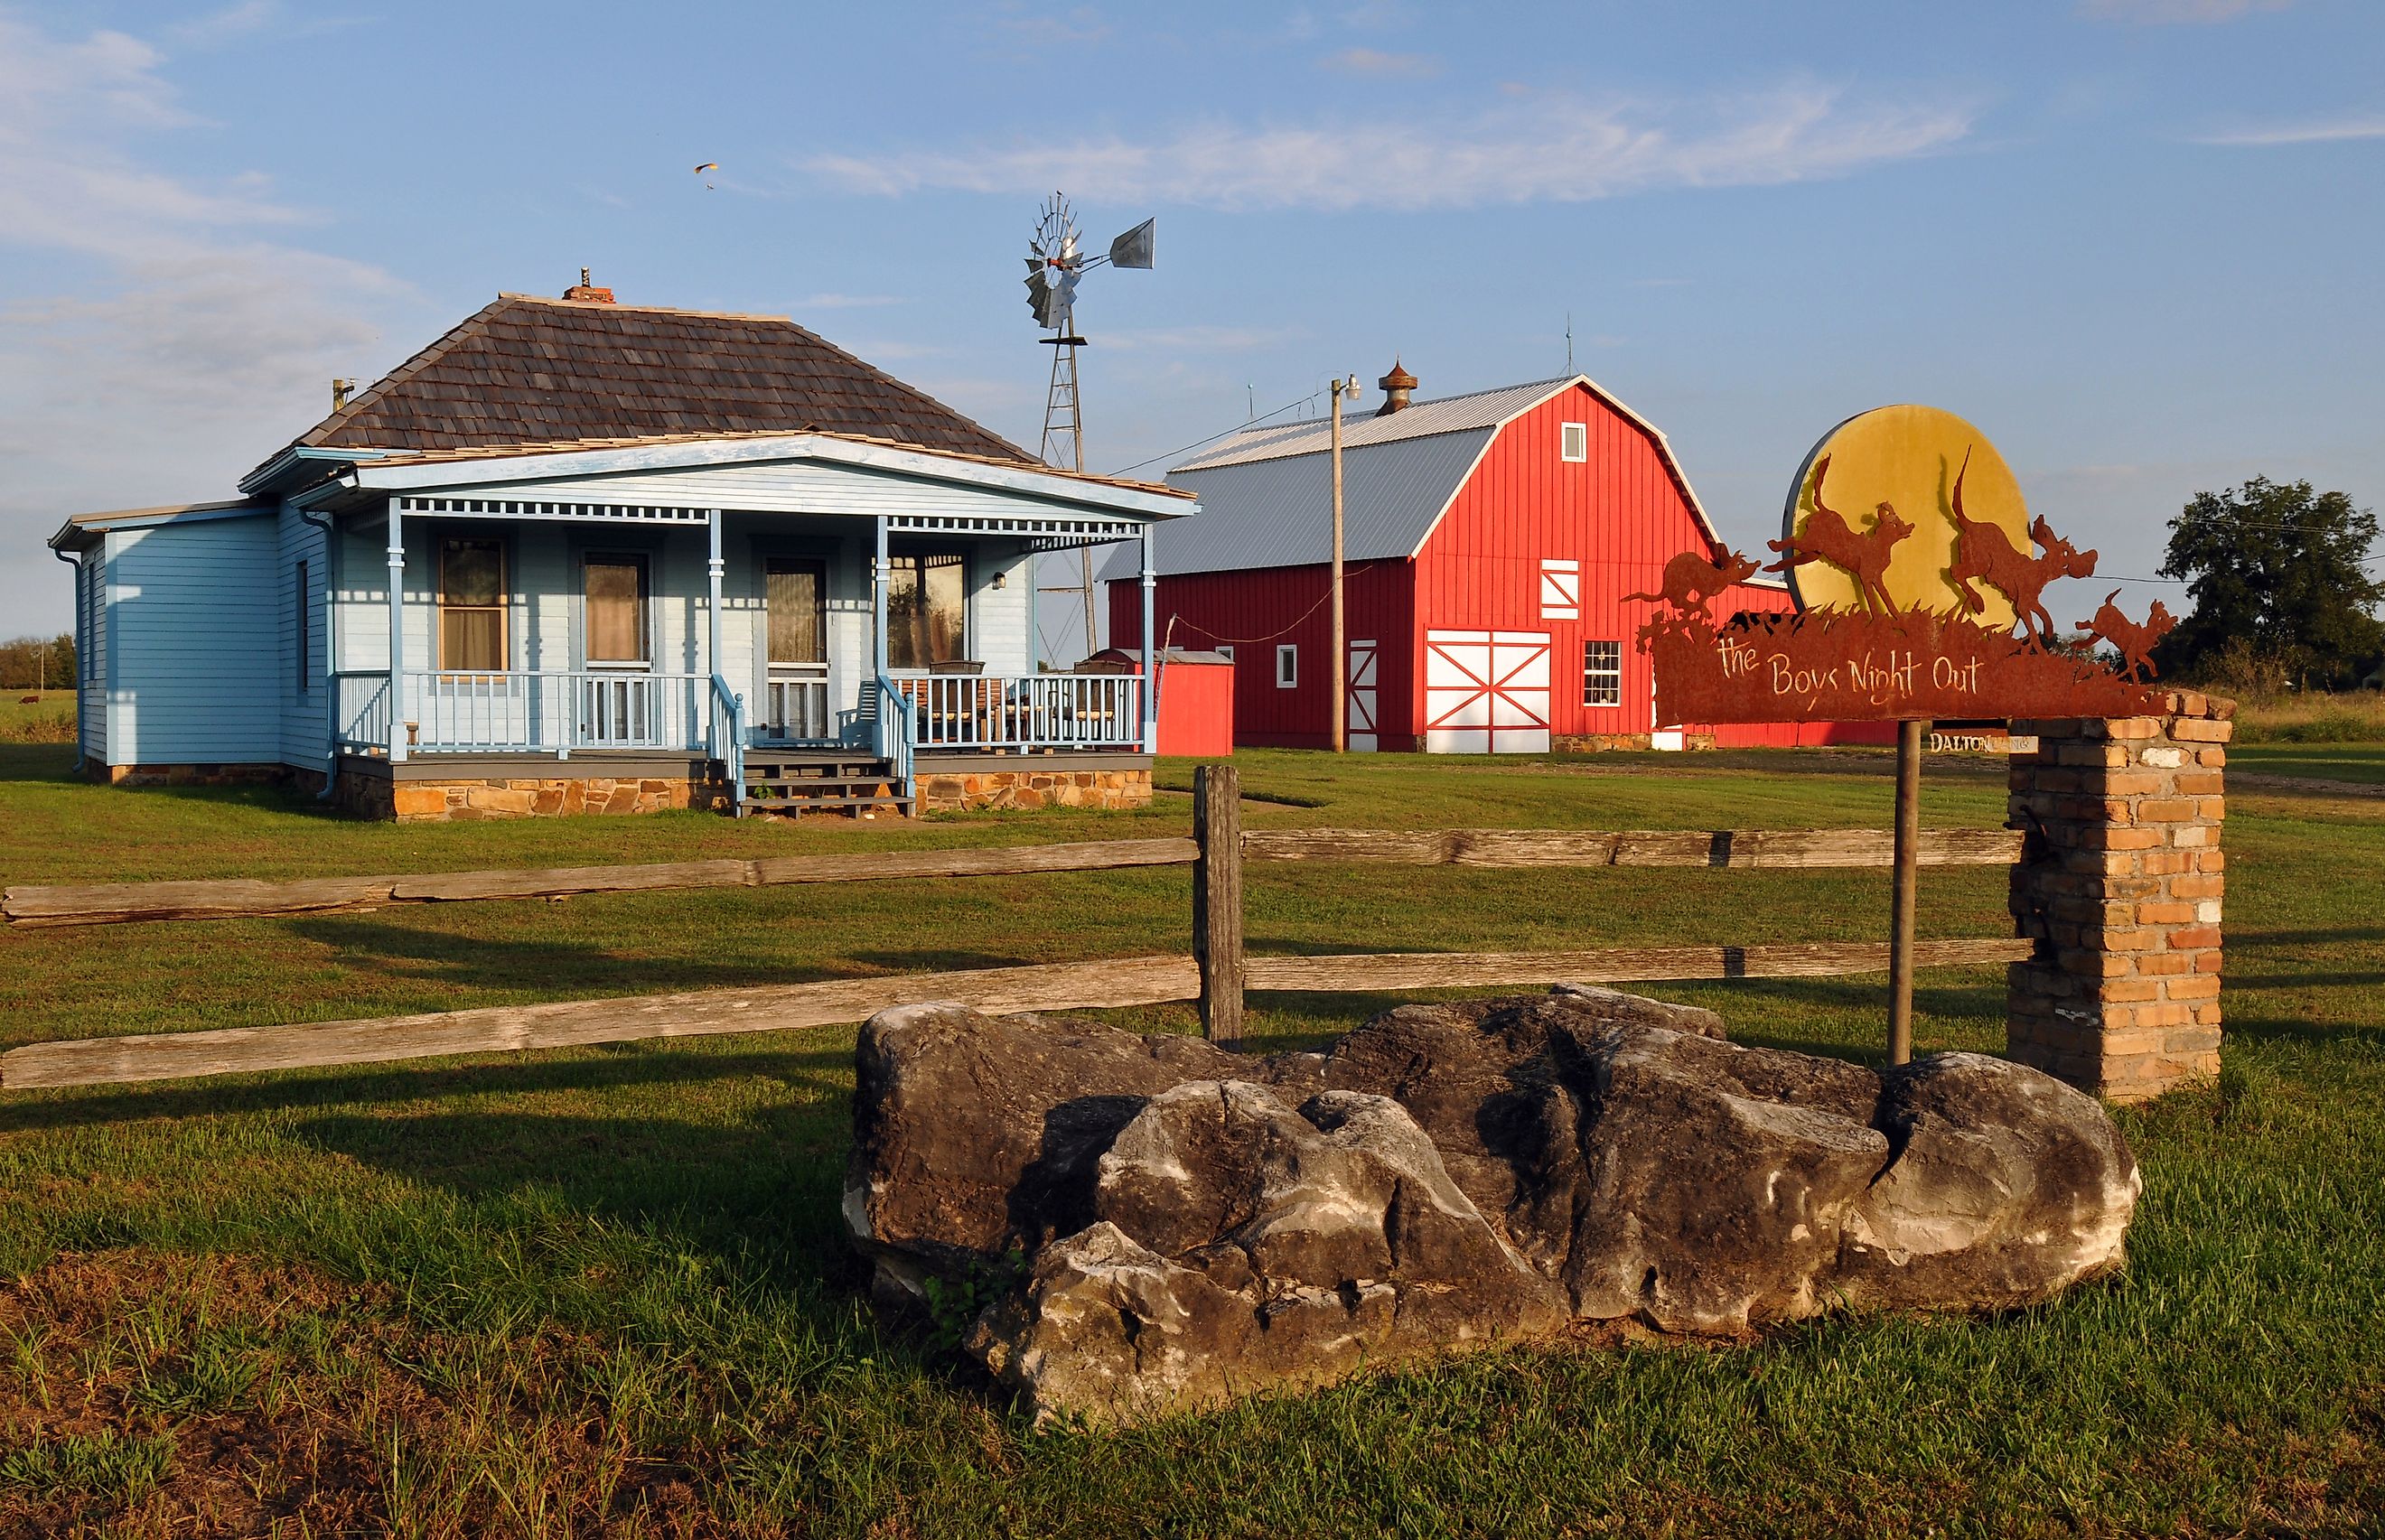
x: 2137, y: 242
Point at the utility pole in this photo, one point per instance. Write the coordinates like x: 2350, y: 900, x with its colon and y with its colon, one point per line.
x: 1340, y: 646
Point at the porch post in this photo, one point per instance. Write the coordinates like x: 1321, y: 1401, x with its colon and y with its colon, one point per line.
x: 712, y: 643
x: 397, y: 633
x: 881, y: 575
x: 1150, y: 671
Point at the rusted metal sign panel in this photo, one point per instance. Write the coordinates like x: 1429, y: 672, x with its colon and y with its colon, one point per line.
x: 1890, y: 626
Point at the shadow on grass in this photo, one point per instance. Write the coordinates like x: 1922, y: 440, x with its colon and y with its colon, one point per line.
x: 765, y: 1187
x: 535, y: 963
x: 39, y: 762
x: 2256, y: 939
x: 613, y: 1066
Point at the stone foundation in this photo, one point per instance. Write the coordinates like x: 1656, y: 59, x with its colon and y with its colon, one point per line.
x: 436, y: 802
x: 962, y: 792
x: 1600, y: 743
x: 198, y: 775
x: 2119, y: 884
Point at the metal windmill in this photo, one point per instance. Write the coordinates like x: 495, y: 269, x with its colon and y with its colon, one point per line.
x: 1054, y: 264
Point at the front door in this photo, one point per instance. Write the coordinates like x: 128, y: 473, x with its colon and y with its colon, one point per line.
x: 795, y: 598
x: 618, y: 708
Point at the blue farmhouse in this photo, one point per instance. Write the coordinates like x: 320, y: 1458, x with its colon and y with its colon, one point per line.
x: 579, y: 555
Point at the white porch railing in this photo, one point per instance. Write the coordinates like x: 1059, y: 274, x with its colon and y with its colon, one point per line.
x: 1033, y: 711
x: 795, y: 711
x: 454, y: 713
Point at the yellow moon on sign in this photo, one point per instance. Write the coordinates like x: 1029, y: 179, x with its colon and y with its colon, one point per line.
x: 1907, y: 457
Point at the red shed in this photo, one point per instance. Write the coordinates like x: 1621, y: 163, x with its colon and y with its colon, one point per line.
x: 1494, y: 544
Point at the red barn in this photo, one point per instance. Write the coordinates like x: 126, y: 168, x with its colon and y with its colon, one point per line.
x: 1493, y: 544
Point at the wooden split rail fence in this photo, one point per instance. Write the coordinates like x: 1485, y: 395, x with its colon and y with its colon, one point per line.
x: 1215, y: 975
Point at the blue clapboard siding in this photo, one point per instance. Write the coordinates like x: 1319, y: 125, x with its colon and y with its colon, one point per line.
x: 305, y: 703
x: 194, y: 646
x: 91, y: 654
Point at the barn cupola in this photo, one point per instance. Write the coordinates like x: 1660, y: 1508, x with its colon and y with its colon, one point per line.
x: 1397, y: 386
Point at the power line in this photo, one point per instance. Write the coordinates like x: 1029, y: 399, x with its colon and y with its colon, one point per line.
x: 1172, y: 454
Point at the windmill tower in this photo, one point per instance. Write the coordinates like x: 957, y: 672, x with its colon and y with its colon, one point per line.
x: 1054, y: 265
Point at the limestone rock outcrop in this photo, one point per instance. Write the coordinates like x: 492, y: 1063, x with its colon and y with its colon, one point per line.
x: 1161, y: 1223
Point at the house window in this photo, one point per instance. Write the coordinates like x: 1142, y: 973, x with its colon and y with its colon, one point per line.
x: 472, y: 606
x: 1573, y: 442
x: 616, y: 596
x: 1602, y: 673
x: 299, y: 637
x: 1287, y: 666
x: 927, y: 609
x: 1560, y: 590
x: 796, y: 604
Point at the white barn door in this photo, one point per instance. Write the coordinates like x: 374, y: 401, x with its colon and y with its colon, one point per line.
x: 1359, y: 728
x: 1486, y: 692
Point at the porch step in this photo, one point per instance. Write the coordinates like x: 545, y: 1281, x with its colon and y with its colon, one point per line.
x: 850, y: 784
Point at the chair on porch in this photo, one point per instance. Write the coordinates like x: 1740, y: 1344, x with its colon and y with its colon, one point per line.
x: 952, y: 711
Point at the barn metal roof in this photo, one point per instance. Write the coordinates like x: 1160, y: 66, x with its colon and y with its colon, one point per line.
x: 1279, y: 511
x: 1266, y: 493
x: 1421, y: 420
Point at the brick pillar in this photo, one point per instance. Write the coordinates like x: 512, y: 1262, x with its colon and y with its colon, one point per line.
x: 2119, y: 885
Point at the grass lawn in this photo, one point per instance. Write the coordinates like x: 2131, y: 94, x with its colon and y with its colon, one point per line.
x: 606, y: 1288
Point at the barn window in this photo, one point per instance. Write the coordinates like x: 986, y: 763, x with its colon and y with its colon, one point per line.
x: 472, y: 606
x: 1226, y: 651
x: 1287, y: 666
x: 1602, y: 673
x: 1560, y: 590
x: 300, y: 637
x: 1574, y: 442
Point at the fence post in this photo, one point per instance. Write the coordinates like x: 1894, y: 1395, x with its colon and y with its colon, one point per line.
x: 1217, y: 900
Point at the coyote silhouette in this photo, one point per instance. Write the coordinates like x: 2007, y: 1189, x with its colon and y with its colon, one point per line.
x: 1692, y: 581
x: 1984, y: 552
x: 2135, y: 643
x: 1828, y: 537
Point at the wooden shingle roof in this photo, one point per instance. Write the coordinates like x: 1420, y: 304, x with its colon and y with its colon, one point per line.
x: 528, y: 370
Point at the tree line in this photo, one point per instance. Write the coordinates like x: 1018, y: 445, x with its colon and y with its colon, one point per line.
x: 2284, y: 586
x: 38, y: 663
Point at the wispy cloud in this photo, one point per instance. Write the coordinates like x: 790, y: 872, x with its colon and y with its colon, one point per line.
x: 1377, y: 63
x: 1559, y: 150
x: 2171, y: 13
x: 2321, y: 131
x: 194, y: 316
x: 1046, y: 26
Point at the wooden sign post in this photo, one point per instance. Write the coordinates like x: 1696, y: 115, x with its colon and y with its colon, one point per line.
x: 1933, y: 612
x: 1217, y: 900
x: 1907, y: 889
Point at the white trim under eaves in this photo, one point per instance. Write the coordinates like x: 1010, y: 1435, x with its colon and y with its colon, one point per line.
x: 1052, y: 486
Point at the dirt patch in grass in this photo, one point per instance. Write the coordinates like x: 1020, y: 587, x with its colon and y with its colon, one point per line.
x: 153, y: 1394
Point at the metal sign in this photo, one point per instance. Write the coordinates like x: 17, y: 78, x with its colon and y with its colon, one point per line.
x: 1928, y: 604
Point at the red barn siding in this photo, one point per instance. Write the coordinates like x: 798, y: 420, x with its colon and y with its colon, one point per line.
x: 1254, y: 612
x: 1619, y: 514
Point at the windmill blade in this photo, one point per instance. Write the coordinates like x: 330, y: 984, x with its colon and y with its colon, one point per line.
x: 1134, y: 248
x: 1040, y: 299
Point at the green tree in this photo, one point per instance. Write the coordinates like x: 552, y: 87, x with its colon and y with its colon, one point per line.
x: 2280, y: 568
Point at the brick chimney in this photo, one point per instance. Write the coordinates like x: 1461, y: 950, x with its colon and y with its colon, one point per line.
x: 1397, y: 386
x: 587, y: 292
